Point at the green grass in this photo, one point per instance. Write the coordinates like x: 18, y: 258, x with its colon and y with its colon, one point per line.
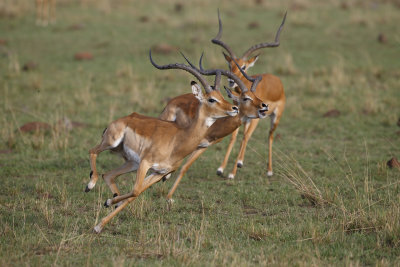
x: 331, y: 201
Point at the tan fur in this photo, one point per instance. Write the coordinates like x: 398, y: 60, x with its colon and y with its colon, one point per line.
x: 222, y: 127
x: 148, y: 143
x: 270, y: 91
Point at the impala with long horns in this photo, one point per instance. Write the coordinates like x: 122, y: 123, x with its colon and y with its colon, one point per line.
x: 269, y: 90
x: 180, y: 109
x: 156, y: 146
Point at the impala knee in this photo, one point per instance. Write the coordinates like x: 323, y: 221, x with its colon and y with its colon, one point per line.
x: 136, y: 192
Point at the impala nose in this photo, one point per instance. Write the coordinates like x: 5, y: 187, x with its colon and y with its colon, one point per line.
x: 264, y: 106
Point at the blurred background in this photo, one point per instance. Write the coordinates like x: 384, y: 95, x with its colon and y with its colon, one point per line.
x: 65, y: 76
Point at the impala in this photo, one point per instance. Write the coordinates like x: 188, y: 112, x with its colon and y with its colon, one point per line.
x: 269, y: 90
x: 156, y: 146
x: 45, y: 12
x: 180, y: 109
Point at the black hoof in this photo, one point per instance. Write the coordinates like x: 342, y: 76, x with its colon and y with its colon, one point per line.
x: 115, y: 195
x: 87, y: 189
x: 239, y: 165
x: 164, y: 179
x: 219, y: 173
x: 106, y: 205
x: 91, y: 173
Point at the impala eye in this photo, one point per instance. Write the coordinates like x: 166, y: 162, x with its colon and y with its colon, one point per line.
x: 212, y: 100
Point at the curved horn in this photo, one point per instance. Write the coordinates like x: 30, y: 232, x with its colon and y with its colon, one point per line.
x: 262, y: 45
x: 217, y: 38
x: 254, y: 81
x: 229, y: 74
x: 217, y: 80
x: 217, y: 74
x: 191, y: 70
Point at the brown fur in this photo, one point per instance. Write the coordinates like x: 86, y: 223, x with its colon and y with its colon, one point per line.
x: 221, y: 128
x: 153, y: 144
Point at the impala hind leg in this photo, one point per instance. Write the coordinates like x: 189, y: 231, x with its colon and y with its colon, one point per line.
x: 110, y: 176
x: 221, y: 168
x: 111, y: 139
x: 192, y: 158
x: 249, y: 128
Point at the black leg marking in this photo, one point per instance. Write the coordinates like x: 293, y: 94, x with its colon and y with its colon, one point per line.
x: 87, y: 189
x: 115, y: 195
x: 105, y: 204
x: 104, y: 131
x: 91, y: 173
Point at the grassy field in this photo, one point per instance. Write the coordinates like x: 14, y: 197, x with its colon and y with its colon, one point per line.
x: 332, y: 199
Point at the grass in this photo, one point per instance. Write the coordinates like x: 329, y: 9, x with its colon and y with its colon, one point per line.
x: 331, y: 201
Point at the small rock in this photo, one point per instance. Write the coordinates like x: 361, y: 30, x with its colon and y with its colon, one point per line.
x: 178, y: 7
x: 28, y: 66
x: 344, y: 6
x: 333, y: 113
x: 76, y: 27
x: 393, y: 163
x: 144, y: 19
x: 253, y: 25
x: 83, y: 56
x: 35, y: 126
x: 382, y: 38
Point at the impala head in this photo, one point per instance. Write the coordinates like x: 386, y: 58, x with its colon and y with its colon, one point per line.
x: 213, y: 102
x: 245, y: 62
x: 250, y: 105
x: 237, y: 65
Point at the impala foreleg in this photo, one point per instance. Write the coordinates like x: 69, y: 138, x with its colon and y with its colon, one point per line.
x: 275, y: 118
x: 221, y: 168
x: 149, y: 181
x: 105, y: 220
x: 249, y: 128
x: 192, y: 158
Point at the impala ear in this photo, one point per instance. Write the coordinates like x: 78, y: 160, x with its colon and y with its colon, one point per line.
x: 252, y: 61
x: 196, y: 90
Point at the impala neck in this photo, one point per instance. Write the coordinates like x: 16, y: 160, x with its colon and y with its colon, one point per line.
x: 201, y: 122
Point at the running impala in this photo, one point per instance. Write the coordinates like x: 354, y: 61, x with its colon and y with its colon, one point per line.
x: 152, y: 145
x: 180, y: 109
